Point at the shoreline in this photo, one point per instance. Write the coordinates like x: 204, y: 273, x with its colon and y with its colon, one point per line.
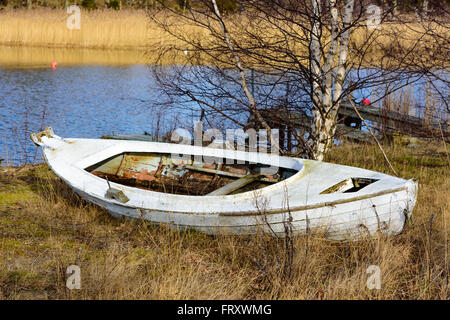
x: 40, y: 57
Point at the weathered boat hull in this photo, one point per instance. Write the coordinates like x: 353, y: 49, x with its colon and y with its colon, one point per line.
x: 312, y: 200
x: 353, y: 220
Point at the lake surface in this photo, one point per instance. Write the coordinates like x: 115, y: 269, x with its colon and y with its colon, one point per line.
x: 86, y: 101
x: 82, y: 101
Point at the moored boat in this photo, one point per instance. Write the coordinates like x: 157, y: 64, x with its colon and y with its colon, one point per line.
x: 218, y: 190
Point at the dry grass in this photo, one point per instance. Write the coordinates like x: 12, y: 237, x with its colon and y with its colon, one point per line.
x: 45, y: 228
x: 99, y: 29
x: 35, y: 37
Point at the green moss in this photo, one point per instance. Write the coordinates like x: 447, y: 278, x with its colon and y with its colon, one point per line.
x: 42, y: 172
x: 18, y: 194
x: 23, y: 227
x: 16, y: 275
x: 15, y: 246
x: 140, y: 253
x: 427, y: 161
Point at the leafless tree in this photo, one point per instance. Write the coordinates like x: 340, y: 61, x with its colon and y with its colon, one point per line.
x: 282, y: 63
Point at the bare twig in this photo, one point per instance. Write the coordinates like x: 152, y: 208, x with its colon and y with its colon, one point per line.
x: 373, y: 135
x: 244, y: 85
x: 443, y: 141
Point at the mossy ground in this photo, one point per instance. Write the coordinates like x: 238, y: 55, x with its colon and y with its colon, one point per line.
x: 44, y: 228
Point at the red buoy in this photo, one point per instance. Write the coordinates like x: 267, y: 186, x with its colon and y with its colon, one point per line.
x: 366, y: 102
x: 54, y: 64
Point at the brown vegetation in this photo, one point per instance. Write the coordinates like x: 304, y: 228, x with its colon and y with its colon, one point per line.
x: 99, y: 29
x: 44, y: 228
x: 131, y: 31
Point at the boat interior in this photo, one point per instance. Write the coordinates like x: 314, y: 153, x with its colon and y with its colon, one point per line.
x: 160, y: 172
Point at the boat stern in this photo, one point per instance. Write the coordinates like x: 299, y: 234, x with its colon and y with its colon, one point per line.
x: 412, y: 188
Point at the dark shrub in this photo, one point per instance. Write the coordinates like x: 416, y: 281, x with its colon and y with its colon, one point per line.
x: 89, y: 4
x: 113, y: 4
x: 227, y: 5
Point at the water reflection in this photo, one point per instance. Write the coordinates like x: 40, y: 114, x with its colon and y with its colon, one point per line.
x: 40, y: 57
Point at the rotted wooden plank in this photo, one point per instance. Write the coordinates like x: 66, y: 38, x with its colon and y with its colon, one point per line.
x: 214, y: 171
x: 235, y: 185
x: 229, y: 174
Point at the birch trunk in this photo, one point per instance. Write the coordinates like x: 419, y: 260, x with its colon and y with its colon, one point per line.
x: 325, y: 114
x: 315, y: 60
x: 29, y: 4
x: 425, y: 8
x: 343, y: 50
x: 315, y: 57
x: 328, y: 68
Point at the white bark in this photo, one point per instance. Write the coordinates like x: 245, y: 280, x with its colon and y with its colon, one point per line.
x: 315, y: 60
x: 425, y: 8
x: 343, y: 49
x: 325, y: 114
x: 328, y: 68
x: 315, y: 54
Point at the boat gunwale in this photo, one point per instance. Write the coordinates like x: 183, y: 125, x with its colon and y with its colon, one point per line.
x: 269, y: 211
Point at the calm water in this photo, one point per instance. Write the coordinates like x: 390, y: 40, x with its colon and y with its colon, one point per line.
x: 82, y: 101
x: 85, y: 102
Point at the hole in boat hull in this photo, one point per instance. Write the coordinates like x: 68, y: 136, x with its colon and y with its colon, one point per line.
x: 349, y: 185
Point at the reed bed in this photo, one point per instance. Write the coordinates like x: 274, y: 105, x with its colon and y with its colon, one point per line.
x: 99, y: 29
x: 46, y: 228
x: 35, y: 37
x: 133, y: 30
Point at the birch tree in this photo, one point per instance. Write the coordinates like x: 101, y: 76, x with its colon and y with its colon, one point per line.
x: 277, y: 62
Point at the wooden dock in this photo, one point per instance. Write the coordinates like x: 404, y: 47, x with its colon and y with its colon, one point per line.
x: 349, y: 126
x: 385, y: 124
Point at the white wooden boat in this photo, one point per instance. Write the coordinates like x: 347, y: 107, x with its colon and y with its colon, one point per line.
x: 141, y: 179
